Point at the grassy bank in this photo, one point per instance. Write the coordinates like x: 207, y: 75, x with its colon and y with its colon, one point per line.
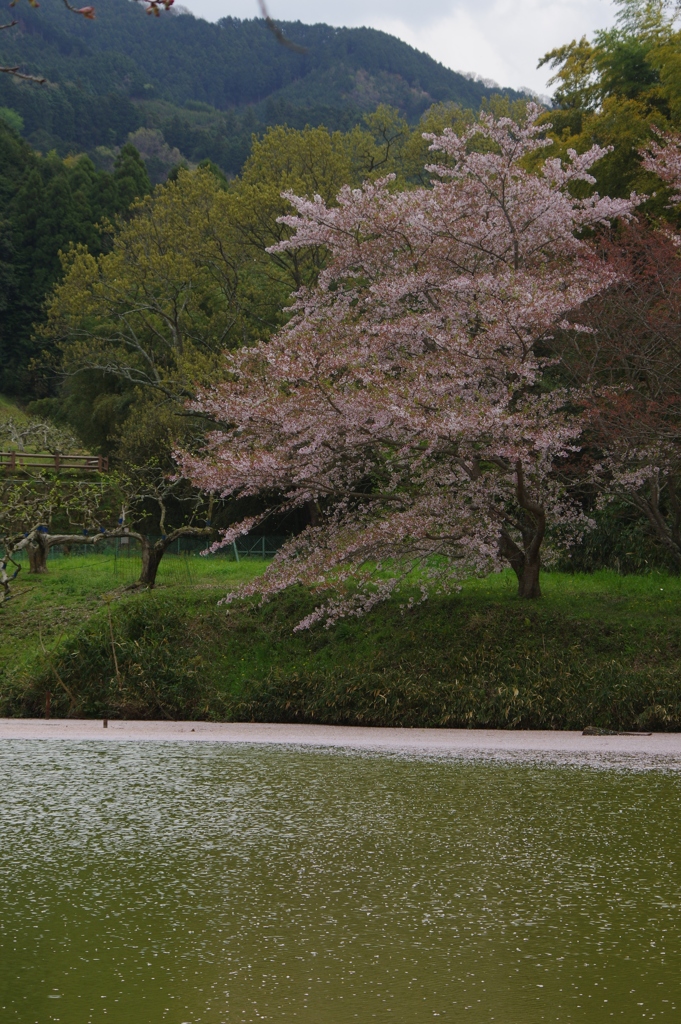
x: 10, y: 410
x: 599, y: 650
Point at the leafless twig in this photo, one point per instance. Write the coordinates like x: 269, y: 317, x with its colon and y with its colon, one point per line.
x: 274, y: 28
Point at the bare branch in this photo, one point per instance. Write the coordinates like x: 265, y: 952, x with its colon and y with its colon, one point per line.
x: 19, y: 74
x: 279, y: 35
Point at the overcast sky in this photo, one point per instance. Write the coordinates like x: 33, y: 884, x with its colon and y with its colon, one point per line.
x: 499, y: 39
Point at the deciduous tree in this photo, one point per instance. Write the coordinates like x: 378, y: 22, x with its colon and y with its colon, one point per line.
x: 403, y: 404
x: 628, y: 367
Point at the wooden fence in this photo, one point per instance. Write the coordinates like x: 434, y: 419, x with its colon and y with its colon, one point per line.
x: 44, y: 460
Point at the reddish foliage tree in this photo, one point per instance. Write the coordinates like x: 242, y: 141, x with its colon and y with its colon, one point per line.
x: 629, y: 370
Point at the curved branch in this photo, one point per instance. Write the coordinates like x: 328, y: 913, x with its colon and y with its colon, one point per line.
x: 279, y: 35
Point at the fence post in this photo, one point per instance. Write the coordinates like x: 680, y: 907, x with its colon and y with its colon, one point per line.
x: 236, y: 553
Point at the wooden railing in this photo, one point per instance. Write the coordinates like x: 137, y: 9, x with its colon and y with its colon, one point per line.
x: 45, y: 460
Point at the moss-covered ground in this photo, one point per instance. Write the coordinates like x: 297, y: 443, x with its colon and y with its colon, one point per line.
x: 600, y: 650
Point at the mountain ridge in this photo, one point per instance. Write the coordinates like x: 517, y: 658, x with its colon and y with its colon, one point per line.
x: 105, y: 76
x: 227, y: 63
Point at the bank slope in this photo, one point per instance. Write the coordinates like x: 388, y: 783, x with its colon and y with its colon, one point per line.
x: 598, y: 650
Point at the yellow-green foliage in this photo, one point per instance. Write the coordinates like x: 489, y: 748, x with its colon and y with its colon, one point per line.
x: 8, y: 410
x: 159, y: 307
x: 616, y: 89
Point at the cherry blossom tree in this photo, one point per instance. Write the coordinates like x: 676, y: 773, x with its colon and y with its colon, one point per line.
x: 663, y: 158
x: 404, y: 403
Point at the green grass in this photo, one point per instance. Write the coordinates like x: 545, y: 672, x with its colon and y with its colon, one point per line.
x: 45, y: 610
x: 9, y: 410
x: 599, y: 650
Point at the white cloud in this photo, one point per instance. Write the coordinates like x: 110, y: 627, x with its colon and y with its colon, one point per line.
x: 499, y: 39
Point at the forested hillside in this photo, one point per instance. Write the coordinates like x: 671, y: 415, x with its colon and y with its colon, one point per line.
x: 215, y: 83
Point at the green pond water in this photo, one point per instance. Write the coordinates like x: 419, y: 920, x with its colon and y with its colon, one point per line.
x: 182, y: 883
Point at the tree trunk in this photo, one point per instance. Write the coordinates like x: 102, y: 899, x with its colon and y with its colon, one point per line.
x: 37, y: 556
x: 153, y: 553
x: 151, y: 559
x: 525, y: 561
x: 528, y: 580
x: 525, y: 564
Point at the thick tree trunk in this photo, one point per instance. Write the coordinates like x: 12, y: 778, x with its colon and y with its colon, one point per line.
x: 153, y: 553
x: 525, y: 564
x: 525, y: 561
x: 37, y: 556
x: 528, y: 582
x: 151, y: 559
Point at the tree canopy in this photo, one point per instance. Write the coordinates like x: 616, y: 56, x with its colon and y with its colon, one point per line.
x: 616, y: 88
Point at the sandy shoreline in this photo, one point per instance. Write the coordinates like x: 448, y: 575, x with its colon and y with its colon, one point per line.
x: 452, y: 740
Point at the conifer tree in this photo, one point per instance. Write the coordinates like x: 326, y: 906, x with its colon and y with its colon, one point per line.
x: 130, y: 175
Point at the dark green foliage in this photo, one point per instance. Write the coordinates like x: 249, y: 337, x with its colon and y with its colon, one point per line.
x: 153, y: 683
x: 68, y: 118
x: 106, y: 69
x: 49, y: 204
x: 625, y: 67
x: 622, y: 541
x: 130, y: 176
x: 589, y: 655
x: 93, y: 404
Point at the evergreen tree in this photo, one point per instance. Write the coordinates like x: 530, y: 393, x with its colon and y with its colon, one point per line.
x: 130, y: 175
x: 49, y: 204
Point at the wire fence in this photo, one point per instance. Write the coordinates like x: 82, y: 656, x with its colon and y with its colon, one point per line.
x: 181, y: 563
x: 265, y: 546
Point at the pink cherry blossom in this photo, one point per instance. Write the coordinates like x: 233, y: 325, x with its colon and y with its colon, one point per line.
x: 663, y: 158
x: 404, y: 402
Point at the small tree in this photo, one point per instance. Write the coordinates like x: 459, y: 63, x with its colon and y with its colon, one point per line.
x: 405, y: 399
x: 103, y: 510
x: 147, y: 493
x: 42, y: 510
x: 31, y: 506
x: 32, y: 500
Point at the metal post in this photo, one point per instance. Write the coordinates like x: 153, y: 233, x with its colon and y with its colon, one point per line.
x: 236, y: 553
